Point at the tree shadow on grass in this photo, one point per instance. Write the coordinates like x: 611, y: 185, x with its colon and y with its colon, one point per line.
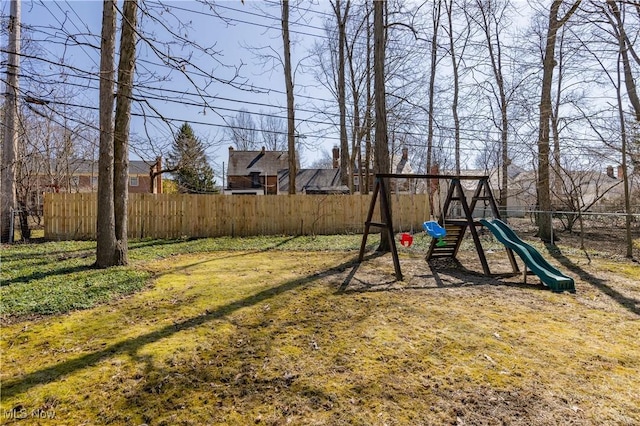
x: 63, y: 254
x: 144, y: 243
x: 468, y: 278
x: 350, y: 277
x: 229, y: 254
x: 445, y: 273
x: 629, y: 303
x: 36, y: 275
x: 50, y: 374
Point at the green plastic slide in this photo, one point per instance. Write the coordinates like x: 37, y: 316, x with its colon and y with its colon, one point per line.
x: 548, y: 274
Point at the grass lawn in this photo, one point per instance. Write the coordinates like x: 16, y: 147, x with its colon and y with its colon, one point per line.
x: 292, y: 331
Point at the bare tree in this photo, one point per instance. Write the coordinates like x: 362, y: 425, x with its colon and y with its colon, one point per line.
x: 341, y: 19
x: 626, y: 48
x: 325, y: 161
x: 50, y: 153
x: 455, y: 67
x: 112, y: 248
x: 623, y: 59
x: 612, y: 16
x: 436, y: 15
x: 242, y: 131
x: 342, y: 67
x: 381, y: 148
x: 126, y: 69
x: 548, y: 64
x: 288, y: 77
x: 489, y: 17
x: 368, y: 114
x: 10, y: 140
x: 358, y: 61
x: 273, y: 133
x: 105, y: 227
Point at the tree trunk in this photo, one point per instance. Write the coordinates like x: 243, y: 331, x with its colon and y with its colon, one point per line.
x: 126, y: 69
x: 105, y: 226
x: 456, y: 86
x: 368, y: 124
x: 623, y: 133
x: 432, y: 82
x: 381, y: 146
x: 558, y: 175
x: 548, y: 63
x: 356, y: 133
x: 489, y: 17
x: 629, y: 81
x: 291, y: 121
x: 10, y: 141
x: 342, y: 101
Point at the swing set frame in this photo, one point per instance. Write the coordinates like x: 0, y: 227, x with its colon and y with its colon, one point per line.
x: 454, y: 193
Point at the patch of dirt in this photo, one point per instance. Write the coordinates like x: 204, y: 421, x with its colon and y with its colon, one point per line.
x: 595, y: 288
x: 448, y: 279
x: 488, y: 406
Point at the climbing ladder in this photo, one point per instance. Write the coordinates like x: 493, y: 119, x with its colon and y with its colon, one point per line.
x: 456, y: 228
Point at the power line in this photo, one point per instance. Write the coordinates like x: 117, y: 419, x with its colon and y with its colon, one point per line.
x: 442, y: 145
x: 471, y: 131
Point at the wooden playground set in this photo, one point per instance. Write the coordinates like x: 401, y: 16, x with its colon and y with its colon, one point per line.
x: 448, y: 232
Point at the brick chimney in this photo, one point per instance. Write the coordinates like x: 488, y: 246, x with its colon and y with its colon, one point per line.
x: 158, y: 185
x: 433, y: 183
x: 155, y: 177
x: 610, y: 172
x: 405, y: 153
x: 263, y: 150
x: 336, y: 157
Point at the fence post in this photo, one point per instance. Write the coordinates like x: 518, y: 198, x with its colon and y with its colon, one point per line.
x: 553, y: 243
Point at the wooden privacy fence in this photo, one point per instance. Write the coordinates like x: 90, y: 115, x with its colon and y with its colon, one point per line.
x: 73, y: 216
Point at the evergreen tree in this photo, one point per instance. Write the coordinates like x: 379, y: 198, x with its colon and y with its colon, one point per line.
x: 189, y: 163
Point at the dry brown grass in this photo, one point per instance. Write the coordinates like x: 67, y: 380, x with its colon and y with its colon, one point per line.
x: 311, y: 338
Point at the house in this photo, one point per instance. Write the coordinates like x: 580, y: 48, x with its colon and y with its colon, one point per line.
x: 576, y: 189
x: 327, y: 181
x: 81, y: 176
x: 254, y: 172
x: 315, y: 181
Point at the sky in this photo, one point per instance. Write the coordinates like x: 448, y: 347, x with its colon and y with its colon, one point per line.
x: 236, y: 38
x: 246, y: 30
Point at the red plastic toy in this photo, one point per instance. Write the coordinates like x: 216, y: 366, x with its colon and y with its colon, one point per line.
x: 406, y: 239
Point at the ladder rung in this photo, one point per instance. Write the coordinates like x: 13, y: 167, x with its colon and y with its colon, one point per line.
x: 378, y: 224
x: 441, y: 255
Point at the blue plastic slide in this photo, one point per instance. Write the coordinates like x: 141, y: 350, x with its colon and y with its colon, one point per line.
x: 549, y: 275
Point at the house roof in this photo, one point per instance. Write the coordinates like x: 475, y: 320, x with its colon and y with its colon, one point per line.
x: 313, y: 181
x: 90, y: 167
x: 243, y: 163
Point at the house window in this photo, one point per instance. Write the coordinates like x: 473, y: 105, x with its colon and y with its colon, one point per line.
x: 94, y: 181
x: 255, y: 179
x: 133, y: 181
x: 75, y: 181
